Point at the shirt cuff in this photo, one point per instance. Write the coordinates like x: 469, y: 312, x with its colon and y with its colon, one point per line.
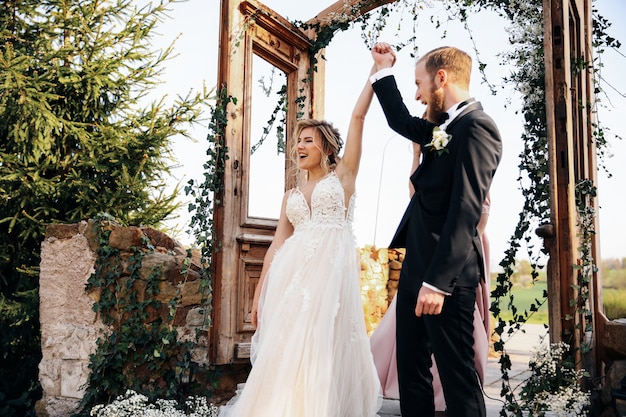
x: 385, y: 72
x: 432, y: 287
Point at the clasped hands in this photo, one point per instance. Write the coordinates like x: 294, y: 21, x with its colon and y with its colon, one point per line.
x: 384, y: 55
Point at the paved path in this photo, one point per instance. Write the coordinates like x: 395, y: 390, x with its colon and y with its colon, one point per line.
x: 518, y: 347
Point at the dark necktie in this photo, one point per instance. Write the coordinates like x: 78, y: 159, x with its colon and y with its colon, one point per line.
x: 445, y: 116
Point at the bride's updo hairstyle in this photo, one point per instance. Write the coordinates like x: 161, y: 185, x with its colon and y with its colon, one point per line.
x: 331, y: 142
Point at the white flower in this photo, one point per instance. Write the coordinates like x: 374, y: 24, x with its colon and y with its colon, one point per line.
x: 132, y: 404
x: 554, y: 383
x: 440, y: 140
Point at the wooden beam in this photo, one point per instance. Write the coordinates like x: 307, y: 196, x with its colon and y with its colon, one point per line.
x: 350, y: 9
x: 272, y: 21
x: 553, y: 267
x: 562, y: 157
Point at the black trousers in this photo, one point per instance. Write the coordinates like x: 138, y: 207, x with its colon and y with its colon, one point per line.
x: 449, y: 337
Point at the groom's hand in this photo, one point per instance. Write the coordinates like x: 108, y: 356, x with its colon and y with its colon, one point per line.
x: 429, y: 302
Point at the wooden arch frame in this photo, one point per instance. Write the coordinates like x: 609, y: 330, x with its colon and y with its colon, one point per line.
x: 248, y: 26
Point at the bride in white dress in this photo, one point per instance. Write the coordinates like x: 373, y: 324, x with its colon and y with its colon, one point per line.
x: 310, y: 353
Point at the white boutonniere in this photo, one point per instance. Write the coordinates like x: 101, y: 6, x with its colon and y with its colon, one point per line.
x: 440, y: 140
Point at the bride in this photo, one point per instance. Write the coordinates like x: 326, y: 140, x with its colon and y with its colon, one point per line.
x: 310, y: 352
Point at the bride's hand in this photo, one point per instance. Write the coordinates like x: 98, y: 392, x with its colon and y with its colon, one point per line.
x: 254, y: 317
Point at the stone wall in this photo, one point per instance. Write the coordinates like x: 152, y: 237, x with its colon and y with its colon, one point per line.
x: 70, y: 327
x: 380, y: 272
x: 613, y: 342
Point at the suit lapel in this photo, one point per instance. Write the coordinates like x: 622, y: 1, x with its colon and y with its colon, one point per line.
x: 468, y: 109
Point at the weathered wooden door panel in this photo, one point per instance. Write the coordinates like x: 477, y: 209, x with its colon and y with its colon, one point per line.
x: 572, y: 156
x: 256, y: 46
x: 252, y: 36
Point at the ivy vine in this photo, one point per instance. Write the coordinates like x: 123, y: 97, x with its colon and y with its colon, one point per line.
x: 132, y: 353
x: 209, y: 192
x: 135, y: 351
x: 281, y: 107
x: 585, y: 192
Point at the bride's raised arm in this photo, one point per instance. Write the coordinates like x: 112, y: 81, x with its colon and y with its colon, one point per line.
x: 348, y: 167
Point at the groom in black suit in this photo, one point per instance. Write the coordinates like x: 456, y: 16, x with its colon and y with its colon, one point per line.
x: 443, y: 262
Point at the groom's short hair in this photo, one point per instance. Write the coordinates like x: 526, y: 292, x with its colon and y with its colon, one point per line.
x: 457, y: 63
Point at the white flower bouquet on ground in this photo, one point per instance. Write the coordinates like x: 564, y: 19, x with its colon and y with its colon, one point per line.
x: 553, y: 388
x: 132, y: 404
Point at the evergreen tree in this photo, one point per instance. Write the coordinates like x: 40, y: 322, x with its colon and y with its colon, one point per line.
x: 77, y: 138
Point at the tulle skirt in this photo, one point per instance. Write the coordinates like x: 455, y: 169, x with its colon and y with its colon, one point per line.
x: 311, y: 354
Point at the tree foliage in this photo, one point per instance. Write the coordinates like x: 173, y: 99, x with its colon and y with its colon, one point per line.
x: 78, y: 137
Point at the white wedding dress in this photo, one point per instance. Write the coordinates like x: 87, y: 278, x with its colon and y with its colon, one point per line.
x: 311, y: 354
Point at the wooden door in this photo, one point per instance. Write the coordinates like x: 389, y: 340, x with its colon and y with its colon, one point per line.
x: 260, y: 53
x: 258, y: 50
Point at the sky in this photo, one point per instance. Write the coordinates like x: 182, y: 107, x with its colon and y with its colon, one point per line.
x: 382, y: 185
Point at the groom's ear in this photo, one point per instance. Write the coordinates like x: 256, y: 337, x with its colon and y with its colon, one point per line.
x: 441, y: 78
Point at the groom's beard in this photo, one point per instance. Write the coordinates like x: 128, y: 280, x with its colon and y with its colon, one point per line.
x: 435, y: 109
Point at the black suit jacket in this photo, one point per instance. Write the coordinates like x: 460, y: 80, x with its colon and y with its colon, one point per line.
x: 438, y: 228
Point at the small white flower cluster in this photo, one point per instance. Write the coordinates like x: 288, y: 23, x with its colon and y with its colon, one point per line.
x: 132, y: 404
x: 566, y: 402
x: 526, y: 37
x: 546, y: 357
x: 553, y: 384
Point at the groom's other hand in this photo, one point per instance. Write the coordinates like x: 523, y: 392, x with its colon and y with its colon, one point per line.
x: 429, y: 302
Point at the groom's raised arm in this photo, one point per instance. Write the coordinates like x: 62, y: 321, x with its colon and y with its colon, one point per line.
x: 398, y: 116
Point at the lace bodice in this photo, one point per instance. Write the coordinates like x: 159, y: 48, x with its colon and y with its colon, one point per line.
x: 328, y: 206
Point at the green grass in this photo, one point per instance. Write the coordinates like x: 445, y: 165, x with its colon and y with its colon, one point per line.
x: 614, y: 303
x: 523, y: 298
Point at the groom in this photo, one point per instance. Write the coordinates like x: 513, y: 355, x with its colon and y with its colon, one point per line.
x: 443, y: 262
